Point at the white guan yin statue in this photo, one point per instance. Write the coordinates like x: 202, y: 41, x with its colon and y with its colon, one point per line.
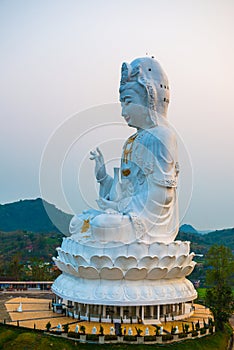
x: 125, y: 253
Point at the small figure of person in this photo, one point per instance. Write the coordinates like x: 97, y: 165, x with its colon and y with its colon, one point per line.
x: 94, y: 330
x: 125, y: 331
x: 112, y: 330
x: 77, y: 329
x: 161, y: 331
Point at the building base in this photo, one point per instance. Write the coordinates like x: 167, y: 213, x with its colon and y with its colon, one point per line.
x: 125, y: 301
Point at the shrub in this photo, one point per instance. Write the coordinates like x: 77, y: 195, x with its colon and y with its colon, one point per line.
x: 210, y: 322
x: 110, y: 337
x: 183, y: 335
x: 73, y: 335
x: 56, y: 332
x: 166, y: 337
x: 205, y: 324
x: 130, y: 338
x: 93, y: 337
x: 194, y: 333
x: 173, y: 330
x: 203, y: 330
x: 149, y: 338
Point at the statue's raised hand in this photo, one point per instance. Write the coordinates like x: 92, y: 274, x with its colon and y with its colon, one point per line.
x: 100, y: 169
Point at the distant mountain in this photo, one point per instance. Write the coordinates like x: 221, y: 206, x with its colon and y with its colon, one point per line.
x: 188, y: 229
x: 31, y: 215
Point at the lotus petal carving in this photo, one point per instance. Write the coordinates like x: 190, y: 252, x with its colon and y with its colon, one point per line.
x: 80, y: 261
x: 115, y: 250
x: 174, y: 272
x: 88, y: 272
x: 71, y: 270
x: 69, y: 259
x: 190, y: 258
x: 157, y: 273
x: 184, y: 248
x: 136, y: 274
x: 62, y: 255
x: 157, y: 249
x: 166, y: 261
x: 59, y: 250
x: 66, y: 267
x: 181, y: 260
x: 125, y: 263
x: 112, y: 273
x: 174, y: 248
x: 101, y: 261
x: 137, y: 250
x: 188, y: 269
x: 148, y: 262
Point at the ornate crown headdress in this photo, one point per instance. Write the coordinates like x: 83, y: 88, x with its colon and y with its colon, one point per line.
x: 148, y: 73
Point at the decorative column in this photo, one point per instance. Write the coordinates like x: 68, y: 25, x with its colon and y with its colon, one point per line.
x: 121, y: 311
x: 142, y: 312
x: 151, y: 311
x: 104, y: 311
x: 158, y: 312
x: 87, y: 309
x: 99, y: 309
x: 137, y: 311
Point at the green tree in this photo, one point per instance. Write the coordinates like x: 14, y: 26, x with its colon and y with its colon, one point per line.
x: 40, y: 270
x: 219, y: 277
x: 15, y: 267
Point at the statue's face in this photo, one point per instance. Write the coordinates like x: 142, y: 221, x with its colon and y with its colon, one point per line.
x: 134, y: 107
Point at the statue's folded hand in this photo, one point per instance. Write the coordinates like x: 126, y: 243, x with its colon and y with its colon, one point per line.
x: 105, y: 204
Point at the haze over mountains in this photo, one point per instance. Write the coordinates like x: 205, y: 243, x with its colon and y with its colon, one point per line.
x: 30, y: 215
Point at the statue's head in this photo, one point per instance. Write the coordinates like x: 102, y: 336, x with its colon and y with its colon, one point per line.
x: 147, y: 84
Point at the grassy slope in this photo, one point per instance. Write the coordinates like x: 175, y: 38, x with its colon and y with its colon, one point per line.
x: 18, y: 339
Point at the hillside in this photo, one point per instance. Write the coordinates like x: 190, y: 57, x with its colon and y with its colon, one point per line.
x: 200, y: 243
x: 30, y: 215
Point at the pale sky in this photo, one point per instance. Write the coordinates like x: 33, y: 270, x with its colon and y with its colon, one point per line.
x: 61, y: 57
